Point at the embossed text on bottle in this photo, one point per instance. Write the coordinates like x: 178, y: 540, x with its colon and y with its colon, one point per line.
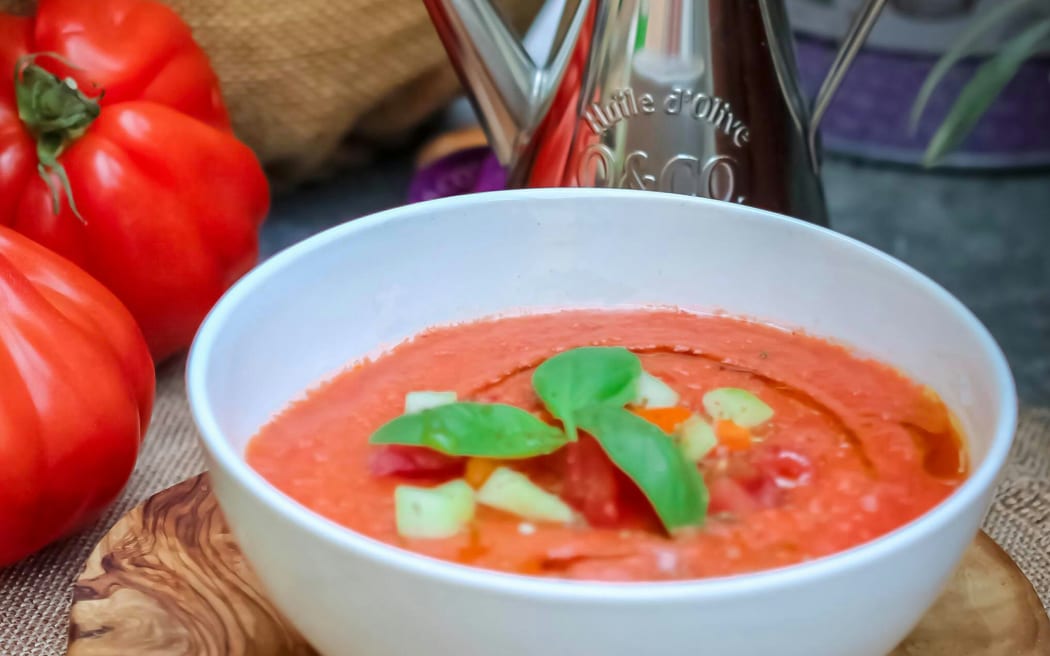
x: 717, y: 177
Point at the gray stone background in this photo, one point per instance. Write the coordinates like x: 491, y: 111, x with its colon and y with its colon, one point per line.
x: 984, y: 236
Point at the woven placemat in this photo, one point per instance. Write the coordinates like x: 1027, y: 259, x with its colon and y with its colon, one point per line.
x: 35, y: 594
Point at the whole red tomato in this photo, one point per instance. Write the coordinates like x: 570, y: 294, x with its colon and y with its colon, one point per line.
x: 116, y: 152
x: 76, y: 392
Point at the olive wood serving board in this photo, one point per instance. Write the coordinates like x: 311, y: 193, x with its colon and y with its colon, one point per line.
x: 169, y: 580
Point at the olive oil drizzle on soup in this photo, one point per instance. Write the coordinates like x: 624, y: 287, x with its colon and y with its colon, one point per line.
x: 785, y: 447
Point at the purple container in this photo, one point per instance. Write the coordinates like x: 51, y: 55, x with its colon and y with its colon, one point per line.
x: 463, y: 172
x: 870, y: 114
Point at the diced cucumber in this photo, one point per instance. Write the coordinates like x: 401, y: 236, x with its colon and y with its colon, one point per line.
x: 654, y: 393
x: 513, y: 492
x: 435, y: 512
x: 696, y: 437
x: 737, y: 405
x: 420, y: 401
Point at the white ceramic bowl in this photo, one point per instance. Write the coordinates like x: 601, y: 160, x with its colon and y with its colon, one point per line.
x: 304, y: 314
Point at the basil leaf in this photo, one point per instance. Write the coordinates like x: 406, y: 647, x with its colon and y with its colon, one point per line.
x: 487, y: 430
x: 583, y: 377
x: 651, y: 459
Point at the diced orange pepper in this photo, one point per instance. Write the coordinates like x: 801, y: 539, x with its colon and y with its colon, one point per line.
x: 478, y: 471
x: 667, y: 419
x: 732, y: 435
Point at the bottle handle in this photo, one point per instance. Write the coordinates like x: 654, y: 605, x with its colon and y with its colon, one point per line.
x: 858, y: 32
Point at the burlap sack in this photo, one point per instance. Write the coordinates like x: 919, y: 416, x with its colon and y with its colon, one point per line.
x: 300, y: 77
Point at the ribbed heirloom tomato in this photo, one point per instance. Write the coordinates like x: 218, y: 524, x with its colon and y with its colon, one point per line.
x: 116, y: 152
x: 76, y: 392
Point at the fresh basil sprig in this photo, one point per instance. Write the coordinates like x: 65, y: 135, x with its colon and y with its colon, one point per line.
x: 586, y: 388
x: 650, y: 458
x: 586, y: 376
x: 486, y: 430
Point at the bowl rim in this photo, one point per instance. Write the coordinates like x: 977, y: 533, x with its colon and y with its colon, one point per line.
x: 225, y: 456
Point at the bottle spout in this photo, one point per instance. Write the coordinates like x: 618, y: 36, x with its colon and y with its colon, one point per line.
x: 508, y: 90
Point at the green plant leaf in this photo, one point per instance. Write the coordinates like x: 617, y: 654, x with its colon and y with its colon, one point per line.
x: 651, y: 459
x: 487, y: 430
x: 583, y: 377
x: 962, y: 47
x: 981, y: 91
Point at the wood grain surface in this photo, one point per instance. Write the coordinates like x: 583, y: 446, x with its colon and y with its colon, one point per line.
x: 168, y: 580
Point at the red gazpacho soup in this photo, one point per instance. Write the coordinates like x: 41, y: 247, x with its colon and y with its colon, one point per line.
x: 626, y: 445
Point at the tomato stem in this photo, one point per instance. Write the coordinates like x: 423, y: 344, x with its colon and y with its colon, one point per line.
x: 56, y: 113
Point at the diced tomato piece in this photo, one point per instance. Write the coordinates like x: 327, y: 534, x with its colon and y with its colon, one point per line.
x: 787, y: 468
x: 635, y: 510
x: 728, y: 495
x: 412, y: 461
x: 606, y: 496
x: 591, y: 484
x: 667, y: 419
x: 746, y: 487
x: 764, y: 490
